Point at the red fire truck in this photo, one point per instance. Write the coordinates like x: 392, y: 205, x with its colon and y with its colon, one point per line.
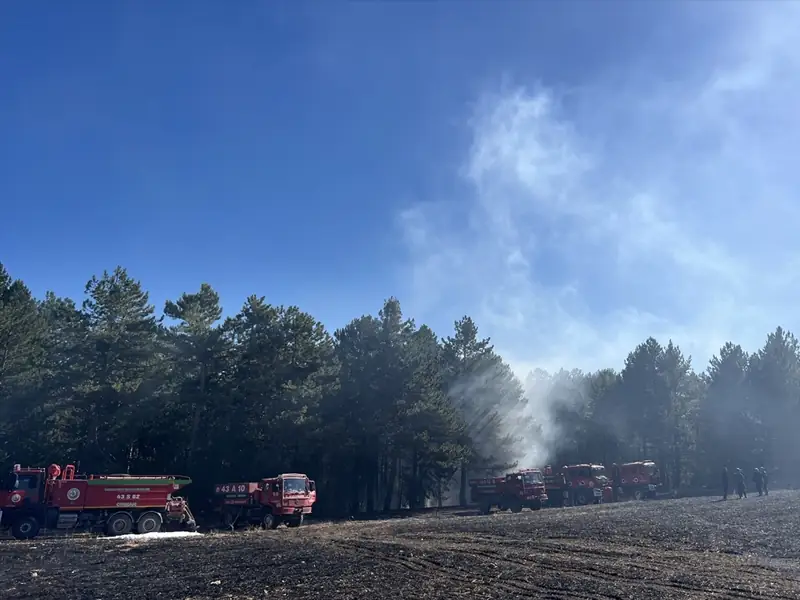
x: 286, y: 498
x: 32, y: 499
x: 513, y: 491
x: 639, y: 480
x: 577, y: 485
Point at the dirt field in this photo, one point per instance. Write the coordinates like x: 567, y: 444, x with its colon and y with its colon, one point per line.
x: 690, y: 548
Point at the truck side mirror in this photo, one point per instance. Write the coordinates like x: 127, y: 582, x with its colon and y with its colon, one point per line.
x: 312, y: 487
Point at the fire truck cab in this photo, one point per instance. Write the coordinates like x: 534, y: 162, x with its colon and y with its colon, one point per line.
x: 577, y: 485
x: 32, y: 499
x: 287, y: 498
x: 514, y: 491
x: 638, y: 480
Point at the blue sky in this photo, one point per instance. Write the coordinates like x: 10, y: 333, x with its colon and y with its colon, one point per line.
x: 575, y: 175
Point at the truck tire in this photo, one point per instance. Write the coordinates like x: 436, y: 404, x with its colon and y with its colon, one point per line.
x: 515, y: 506
x: 149, y: 522
x: 120, y: 523
x: 295, y: 521
x: 25, y: 528
x: 581, y: 498
x: 237, y: 518
x: 638, y: 495
x: 536, y: 505
x: 486, y: 508
x: 270, y: 521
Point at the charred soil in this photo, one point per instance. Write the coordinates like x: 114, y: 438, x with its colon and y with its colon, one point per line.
x: 689, y: 548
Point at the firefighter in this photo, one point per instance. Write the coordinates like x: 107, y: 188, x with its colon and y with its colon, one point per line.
x: 616, y: 481
x: 741, y: 486
x: 758, y: 479
x: 765, y: 480
x: 724, y: 483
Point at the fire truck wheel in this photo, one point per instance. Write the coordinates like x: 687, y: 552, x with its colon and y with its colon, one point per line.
x: 149, y: 522
x: 516, y: 507
x: 25, y: 528
x: 486, y: 509
x: 120, y: 523
x: 270, y: 521
x: 638, y: 494
x: 295, y: 521
x: 582, y: 499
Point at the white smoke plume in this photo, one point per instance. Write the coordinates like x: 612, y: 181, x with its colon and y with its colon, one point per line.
x: 597, y: 216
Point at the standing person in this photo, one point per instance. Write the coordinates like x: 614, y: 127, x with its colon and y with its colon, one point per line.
x: 765, y: 479
x: 758, y: 479
x: 741, y: 486
x: 724, y: 483
x: 616, y: 481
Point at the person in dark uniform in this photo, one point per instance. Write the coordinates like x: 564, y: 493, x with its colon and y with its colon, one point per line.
x: 758, y: 479
x: 724, y: 483
x: 741, y: 486
x: 615, y: 481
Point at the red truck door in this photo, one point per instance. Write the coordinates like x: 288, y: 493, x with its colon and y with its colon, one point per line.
x: 22, y: 489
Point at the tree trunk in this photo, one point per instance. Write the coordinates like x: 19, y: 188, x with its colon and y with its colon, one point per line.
x: 390, y: 482
x: 198, y: 411
x: 372, y: 475
x: 355, y: 488
x: 414, y: 491
x: 462, y: 490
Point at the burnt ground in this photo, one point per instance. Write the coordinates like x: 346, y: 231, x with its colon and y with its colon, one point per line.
x: 688, y: 548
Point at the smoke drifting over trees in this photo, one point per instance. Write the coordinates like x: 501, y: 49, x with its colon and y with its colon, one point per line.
x: 381, y: 412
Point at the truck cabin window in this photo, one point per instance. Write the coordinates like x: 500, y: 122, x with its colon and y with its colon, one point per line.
x: 533, y: 478
x: 22, y: 482
x: 293, y: 486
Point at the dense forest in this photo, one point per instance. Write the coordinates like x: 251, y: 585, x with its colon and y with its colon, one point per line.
x: 382, y: 412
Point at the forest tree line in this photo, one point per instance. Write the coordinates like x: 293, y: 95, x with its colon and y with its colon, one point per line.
x: 381, y: 413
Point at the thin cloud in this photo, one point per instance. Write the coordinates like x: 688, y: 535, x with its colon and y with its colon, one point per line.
x: 583, y: 238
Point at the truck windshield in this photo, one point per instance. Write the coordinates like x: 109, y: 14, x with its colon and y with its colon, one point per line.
x: 532, y: 478
x: 27, y: 482
x: 294, y: 486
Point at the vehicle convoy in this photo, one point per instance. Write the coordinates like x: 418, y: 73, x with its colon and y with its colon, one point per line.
x: 514, y: 491
x: 33, y: 499
x: 639, y: 480
x: 577, y: 485
x: 286, y: 498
